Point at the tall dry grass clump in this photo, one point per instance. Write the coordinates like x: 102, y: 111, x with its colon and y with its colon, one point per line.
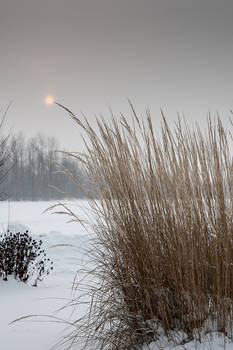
x: 163, y: 250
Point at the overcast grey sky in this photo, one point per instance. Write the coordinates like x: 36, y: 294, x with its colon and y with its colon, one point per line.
x: 174, y: 54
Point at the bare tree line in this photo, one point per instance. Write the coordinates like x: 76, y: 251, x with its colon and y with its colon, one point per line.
x: 36, y: 170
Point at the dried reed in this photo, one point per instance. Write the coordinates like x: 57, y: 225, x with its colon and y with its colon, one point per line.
x: 163, y: 246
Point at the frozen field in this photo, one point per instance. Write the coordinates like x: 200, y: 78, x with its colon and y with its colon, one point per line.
x: 18, y: 299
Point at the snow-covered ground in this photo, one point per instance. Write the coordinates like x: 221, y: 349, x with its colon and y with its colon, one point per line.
x: 18, y: 299
x: 211, y: 342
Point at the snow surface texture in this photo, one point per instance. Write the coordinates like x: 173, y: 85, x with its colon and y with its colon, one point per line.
x: 18, y: 299
x: 212, y: 342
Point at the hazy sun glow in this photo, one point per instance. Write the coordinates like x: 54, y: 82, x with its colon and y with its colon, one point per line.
x: 49, y: 100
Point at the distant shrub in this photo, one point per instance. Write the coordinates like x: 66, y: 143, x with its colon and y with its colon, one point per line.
x: 23, y: 257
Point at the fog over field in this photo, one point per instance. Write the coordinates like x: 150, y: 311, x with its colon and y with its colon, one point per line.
x: 116, y: 174
x: 94, y: 53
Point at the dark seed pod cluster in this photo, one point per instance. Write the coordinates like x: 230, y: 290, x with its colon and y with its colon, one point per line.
x: 23, y: 257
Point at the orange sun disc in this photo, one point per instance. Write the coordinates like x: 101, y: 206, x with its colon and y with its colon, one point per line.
x: 49, y: 100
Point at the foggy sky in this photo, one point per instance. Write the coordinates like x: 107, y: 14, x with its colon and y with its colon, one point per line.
x: 174, y: 54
